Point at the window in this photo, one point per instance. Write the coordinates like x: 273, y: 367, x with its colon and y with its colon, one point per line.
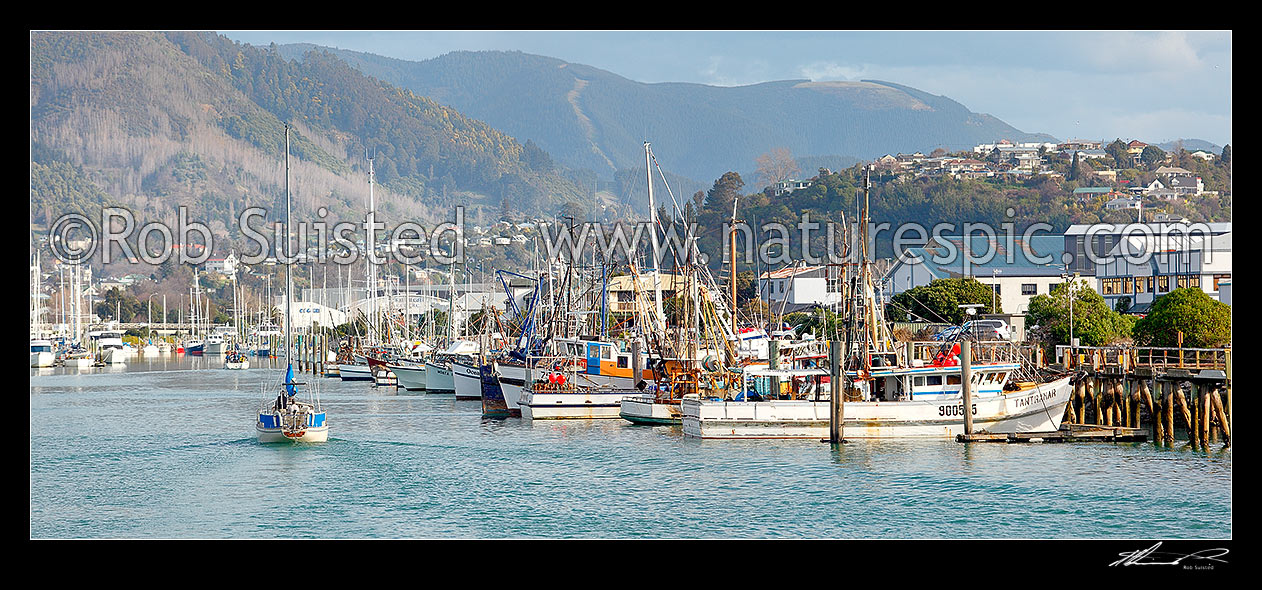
x: 1194, y: 281
x: 996, y: 288
x: 1220, y: 278
x: 1128, y: 285
x: 1142, y: 283
x: 1029, y: 289
x: 622, y: 362
x: 606, y: 353
x: 954, y: 380
x: 1163, y: 284
x: 933, y: 380
x: 919, y: 382
x: 1181, y: 281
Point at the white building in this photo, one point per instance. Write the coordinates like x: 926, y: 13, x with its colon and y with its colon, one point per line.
x: 226, y: 266
x: 801, y: 287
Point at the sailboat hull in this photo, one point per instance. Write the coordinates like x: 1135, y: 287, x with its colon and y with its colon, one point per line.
x: 42, y: 359
x: 274, y: 435
x: 1035, y: 409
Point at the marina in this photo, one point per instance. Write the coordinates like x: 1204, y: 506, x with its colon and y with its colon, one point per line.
x: 282, y: 290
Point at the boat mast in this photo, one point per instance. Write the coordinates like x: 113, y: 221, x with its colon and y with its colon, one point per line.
x: 289, y: 285
x: 369, y: 249
x: 657, y: 286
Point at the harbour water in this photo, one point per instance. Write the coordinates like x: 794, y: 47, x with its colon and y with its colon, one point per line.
x: 167, y: 449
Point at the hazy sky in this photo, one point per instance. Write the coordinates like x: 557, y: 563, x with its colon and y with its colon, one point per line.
x: 1154, y: 86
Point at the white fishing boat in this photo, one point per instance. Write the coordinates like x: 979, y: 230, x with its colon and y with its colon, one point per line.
x: 215, y: 344
x: 287, y: 418
x: 410, y: 377
x: 924, y: 403
x: 646, y: 408
x: 42, y: 353
x: 547, y: 401
x: 354, y: 372
x: 466, y: 378
x: 438, y: 377
x: 384, y: 377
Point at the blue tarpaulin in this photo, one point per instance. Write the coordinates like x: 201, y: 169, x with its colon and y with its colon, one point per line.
x: 289, y: 381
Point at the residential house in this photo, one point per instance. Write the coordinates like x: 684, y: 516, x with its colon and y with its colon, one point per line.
x: 1187, y: 185
x: 1172, y: 172
x: 226, y: 266
x: 785, y: 187
x: 1074, y: 145
x: 620, y: 290
x: 797, y: 288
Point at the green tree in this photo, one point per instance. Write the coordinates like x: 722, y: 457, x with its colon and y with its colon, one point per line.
x: 1152, y: 156
x: 1117, y: 149
x: 1094, y: 324
x: 1204, y: 322
x: 941, y: 299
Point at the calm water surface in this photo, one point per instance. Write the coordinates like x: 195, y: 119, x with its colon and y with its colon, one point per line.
x: 167, y: 449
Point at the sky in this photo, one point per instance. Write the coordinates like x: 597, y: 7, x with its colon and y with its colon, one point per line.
x: 1155, y: 86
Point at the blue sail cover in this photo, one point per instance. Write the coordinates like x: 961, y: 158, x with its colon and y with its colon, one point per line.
x: 289, y: 381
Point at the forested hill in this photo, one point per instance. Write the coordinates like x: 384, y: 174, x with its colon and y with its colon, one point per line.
x: 589, y: 118
x: 152, y: 120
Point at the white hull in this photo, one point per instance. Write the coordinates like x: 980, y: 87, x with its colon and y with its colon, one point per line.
x: 385, y: 378
x: 571, y: 405
x: 354, y: 372
x: 237, y: 366
x: 274, y: 435
x: 512, y: 383
x: 42, y: 359
x: 114, y: 356
x: 214, y: 348
x: 79, y: 363
x: 438, y: 379
x: 467, y: 380
x: 149, y: 351
x: 642, y: 409
x: 410, y: 378
x: 1037, y: 409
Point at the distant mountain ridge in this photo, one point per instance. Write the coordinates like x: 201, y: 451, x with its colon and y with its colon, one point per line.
x: 589, y: 118
x: 155, y: 120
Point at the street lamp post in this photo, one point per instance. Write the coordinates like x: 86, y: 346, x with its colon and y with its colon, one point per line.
x: 994, y: 289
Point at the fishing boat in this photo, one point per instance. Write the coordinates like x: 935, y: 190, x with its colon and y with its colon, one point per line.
x: 288, y: 418
x: 886, y: 393
x: 561, y: 400
x: 410, y: 376
x: 382, y: 376
x: 194, y: 347
x: 354, y: 372
x: 916, y: 403
x: 467, y: 378
x: 438, y: 377
x: 215, y: 343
